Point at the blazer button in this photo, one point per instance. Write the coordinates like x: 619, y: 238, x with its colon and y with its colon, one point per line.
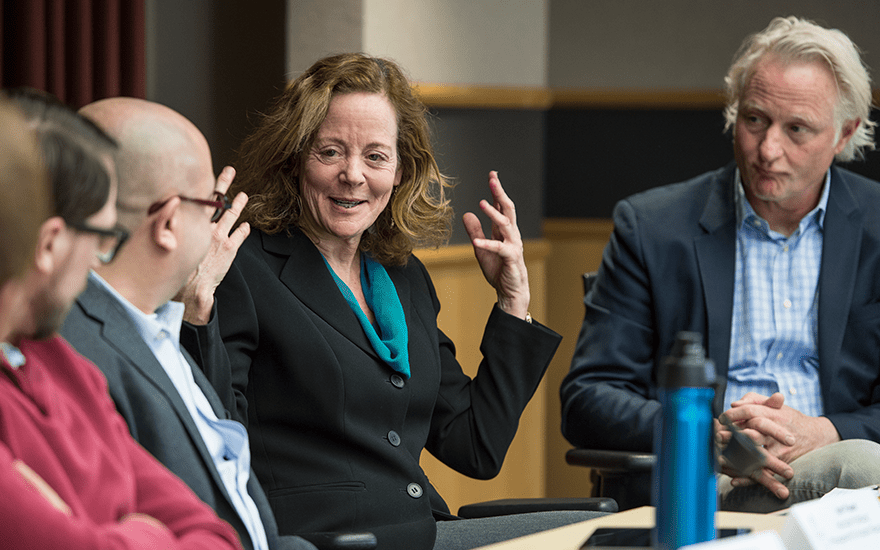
x: 414, y: 490
x: 393, y: 438
x: 397, y: 381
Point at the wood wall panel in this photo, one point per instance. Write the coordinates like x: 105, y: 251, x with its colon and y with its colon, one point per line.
x: 576, y: 247
x: 535, y: 465
x: 467, y: 300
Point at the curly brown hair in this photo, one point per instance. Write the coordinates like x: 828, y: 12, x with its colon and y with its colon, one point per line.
x: 271, y: 159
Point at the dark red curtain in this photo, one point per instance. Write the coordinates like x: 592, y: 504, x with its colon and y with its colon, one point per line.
x: 78, y: 50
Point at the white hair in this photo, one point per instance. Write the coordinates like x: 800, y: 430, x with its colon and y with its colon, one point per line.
x: 792, y: 39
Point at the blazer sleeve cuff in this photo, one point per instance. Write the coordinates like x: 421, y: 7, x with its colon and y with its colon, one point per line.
x: 532, y: 340
x: 196, y: 339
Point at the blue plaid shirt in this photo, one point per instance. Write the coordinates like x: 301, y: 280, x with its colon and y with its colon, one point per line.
x: 775, y: 308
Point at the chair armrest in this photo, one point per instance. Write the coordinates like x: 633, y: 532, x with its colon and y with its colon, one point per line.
x: 341, y: 541
x: 508, y: 506
x: 611, y: 461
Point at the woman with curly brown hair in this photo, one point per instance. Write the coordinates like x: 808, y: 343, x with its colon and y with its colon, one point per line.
x: 330, y: 322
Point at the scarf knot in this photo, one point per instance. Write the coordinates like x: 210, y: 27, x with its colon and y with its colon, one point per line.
x: 390, y: 339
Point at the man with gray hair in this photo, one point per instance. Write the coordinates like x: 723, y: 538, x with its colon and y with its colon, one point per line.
x: 774, y: 259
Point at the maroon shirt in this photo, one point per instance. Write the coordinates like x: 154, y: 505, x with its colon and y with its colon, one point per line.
x: 57, y: 417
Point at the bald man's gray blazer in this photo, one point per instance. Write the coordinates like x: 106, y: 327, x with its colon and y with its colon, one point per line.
x: 99, y: 328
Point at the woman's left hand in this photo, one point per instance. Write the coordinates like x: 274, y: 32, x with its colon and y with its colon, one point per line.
x: 501, y: 257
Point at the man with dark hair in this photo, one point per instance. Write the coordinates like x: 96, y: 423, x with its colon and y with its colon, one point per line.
x: 78, y: 152
x: 774, y: 259
x: 71, y: 476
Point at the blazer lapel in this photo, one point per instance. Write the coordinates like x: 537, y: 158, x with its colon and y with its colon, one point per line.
x: 307, y: 277
x: 401, y: 285
x: 205, y: 385
x: 716, y: 256
x: 842, y: 237
x: 118, y: 330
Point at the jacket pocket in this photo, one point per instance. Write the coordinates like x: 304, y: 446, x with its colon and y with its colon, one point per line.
x: 318, y: 488
x: 316, y: 508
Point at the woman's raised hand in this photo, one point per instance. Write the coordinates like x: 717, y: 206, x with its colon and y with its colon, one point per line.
x: 501, y: 256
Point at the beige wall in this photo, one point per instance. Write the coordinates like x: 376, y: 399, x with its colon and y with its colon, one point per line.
x: 618, y: 44
x: 678, y: 44
x: 486, y: 42
x: 317, y: 28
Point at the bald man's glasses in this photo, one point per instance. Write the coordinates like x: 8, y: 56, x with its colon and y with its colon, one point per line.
x: 111, y: 239
x: 219, y: 202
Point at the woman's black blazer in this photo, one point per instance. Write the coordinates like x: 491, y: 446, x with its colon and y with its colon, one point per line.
x: 335, y: 433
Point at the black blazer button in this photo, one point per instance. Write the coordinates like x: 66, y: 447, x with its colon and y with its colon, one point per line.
x: 414, y: 490
x: 397, y: 381
x: 393, y: 438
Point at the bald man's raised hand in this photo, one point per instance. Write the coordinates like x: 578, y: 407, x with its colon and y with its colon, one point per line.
x: 198, y: 293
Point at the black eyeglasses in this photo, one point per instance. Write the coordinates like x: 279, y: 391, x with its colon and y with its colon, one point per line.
x: 220, y: 203
x: 111, y: 239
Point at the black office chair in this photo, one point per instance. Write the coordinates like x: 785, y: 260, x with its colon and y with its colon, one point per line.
x: 509, y: 506
x: 492, y: 508
x: 342, y: 541
x: 621, y: 475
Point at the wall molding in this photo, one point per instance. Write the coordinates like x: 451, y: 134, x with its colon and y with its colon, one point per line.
x: 577, y: 228
x: 460, y: 96
x: 463, y: 254
x: 638, y: 99
x: 454, y: 96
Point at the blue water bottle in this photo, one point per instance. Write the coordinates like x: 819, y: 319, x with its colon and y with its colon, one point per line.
x: 684, y: 479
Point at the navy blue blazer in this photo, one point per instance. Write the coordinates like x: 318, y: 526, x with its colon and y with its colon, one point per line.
x: 99, y: 328
x: 669, y: 266
x: 336, y: 434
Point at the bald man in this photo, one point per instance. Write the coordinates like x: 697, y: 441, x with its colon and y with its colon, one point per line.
x: 127, y: 323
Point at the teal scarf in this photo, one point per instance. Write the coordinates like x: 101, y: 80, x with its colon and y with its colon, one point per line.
x: 392, y: 340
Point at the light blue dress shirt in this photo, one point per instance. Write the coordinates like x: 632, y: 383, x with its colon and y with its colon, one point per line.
x: 226, y: 440
x: 775, y: 308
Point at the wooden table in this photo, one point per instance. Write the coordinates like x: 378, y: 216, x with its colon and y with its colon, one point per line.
x: 571, y: 537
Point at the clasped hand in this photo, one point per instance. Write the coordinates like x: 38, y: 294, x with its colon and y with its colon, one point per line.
x: 784, y: 434
x: 501, y: 256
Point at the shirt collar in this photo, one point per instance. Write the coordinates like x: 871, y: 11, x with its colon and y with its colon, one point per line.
x: 744, y: 210
x: 12, y: 355
x: 164, y: 322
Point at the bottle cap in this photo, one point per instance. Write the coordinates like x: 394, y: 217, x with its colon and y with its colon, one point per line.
x: 687, y: 366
